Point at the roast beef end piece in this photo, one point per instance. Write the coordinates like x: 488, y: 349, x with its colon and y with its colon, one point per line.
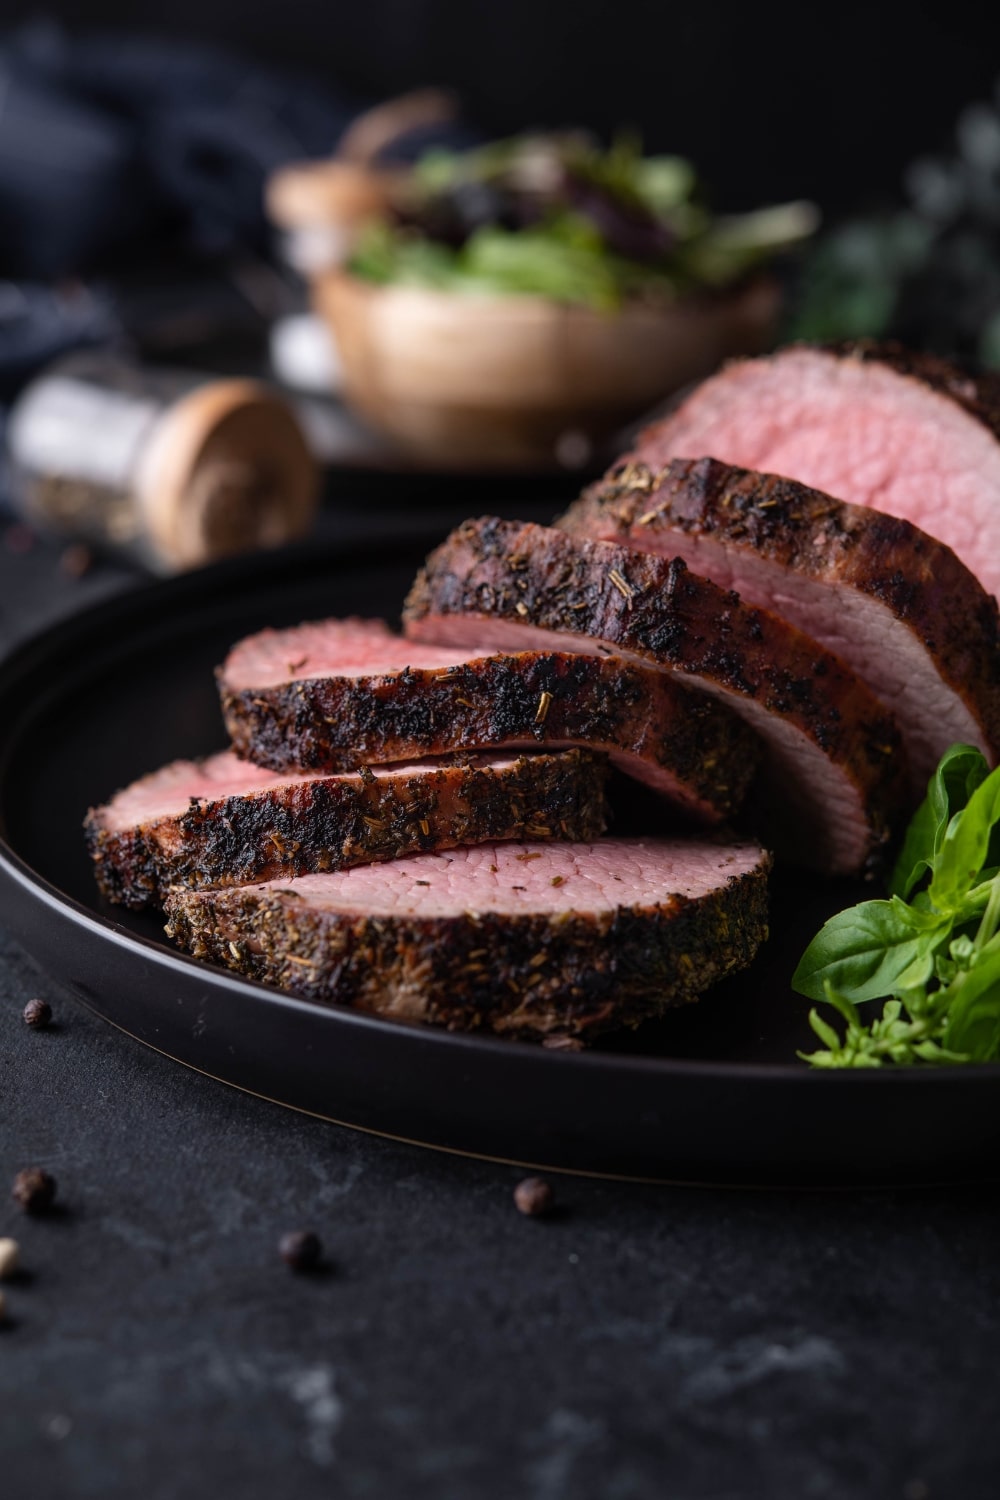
x: 892, y: 602
x: 907, y: 434
x: 833, y: 777
x: 224, y: 822
x: 527, y: 940
x: 378, y: 697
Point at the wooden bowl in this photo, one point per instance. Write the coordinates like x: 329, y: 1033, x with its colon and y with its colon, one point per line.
x: 463, y: 381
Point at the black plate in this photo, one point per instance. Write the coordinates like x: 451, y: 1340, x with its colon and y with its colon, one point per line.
x: 711, y: 1093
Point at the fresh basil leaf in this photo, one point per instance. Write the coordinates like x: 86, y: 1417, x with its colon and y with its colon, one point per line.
x: 961, y: 854
x: 840, y: 1002
x: 932, y: 1052
x: 974, y: 1010
x: 870, y: 950
x: 917, y: 853
x: 825, y: 1059
x: 934, y: 958
x: 824, y: 1031
x: 960, y: 771
x: 945, y: 969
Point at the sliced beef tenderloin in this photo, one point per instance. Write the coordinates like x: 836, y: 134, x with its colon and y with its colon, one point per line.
x: 897, y: 606
x: 526, y: 939
x: 222, y: 821
x: 831, y: 783
x: 908, y: 434
x: 325, y: 696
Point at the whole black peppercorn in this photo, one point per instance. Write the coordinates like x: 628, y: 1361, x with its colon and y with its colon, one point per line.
x: 34, y: 1189
x: 301, y: 1250
x: 76, y: 560
x: 37, y: 1014
x: 534, y: 1197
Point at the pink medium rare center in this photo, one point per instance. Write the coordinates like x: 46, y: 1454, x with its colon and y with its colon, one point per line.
x: 332, y: 648
x: 862, y: 433
x: 529, y: 878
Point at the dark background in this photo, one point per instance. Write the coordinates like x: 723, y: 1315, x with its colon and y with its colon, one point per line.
x: 772, y: 102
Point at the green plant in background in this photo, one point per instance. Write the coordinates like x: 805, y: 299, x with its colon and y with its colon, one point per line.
x: 931, y: 952
x: 850, y: 285
x: 928, y: 273
x: 557, y: 216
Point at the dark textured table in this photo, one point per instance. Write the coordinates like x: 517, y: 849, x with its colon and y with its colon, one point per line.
x: 645, y: 1342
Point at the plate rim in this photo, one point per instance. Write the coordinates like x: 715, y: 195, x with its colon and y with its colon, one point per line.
x: 208, y: 583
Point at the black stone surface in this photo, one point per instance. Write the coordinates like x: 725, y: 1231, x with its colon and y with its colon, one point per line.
x: 643, y: 1343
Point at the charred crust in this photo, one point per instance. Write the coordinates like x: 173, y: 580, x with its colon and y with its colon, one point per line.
x: 676, y: 618
x: 803, y: 531
x: 522, y: 976
x: 333, y: 824
x: 125, y: 865
x: 702, y: 754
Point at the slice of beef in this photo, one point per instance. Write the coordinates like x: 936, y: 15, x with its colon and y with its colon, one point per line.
x: 325, y: 696
x: 526, y: 939
x: 833, y: 770
x: 908, y: 434
x: 892, y: 602
x: 222, y: 821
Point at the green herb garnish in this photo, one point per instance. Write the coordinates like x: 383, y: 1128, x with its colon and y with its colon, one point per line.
x: 931, y: 952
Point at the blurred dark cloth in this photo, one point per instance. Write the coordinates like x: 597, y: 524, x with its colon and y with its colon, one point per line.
x: 38, y: 323
x: 108, y: 142
x: 123, y: 157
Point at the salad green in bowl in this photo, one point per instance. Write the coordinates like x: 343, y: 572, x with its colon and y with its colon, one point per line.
x: 556, y: 216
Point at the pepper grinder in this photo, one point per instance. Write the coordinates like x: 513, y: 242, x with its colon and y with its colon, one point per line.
x: 175, y: 469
